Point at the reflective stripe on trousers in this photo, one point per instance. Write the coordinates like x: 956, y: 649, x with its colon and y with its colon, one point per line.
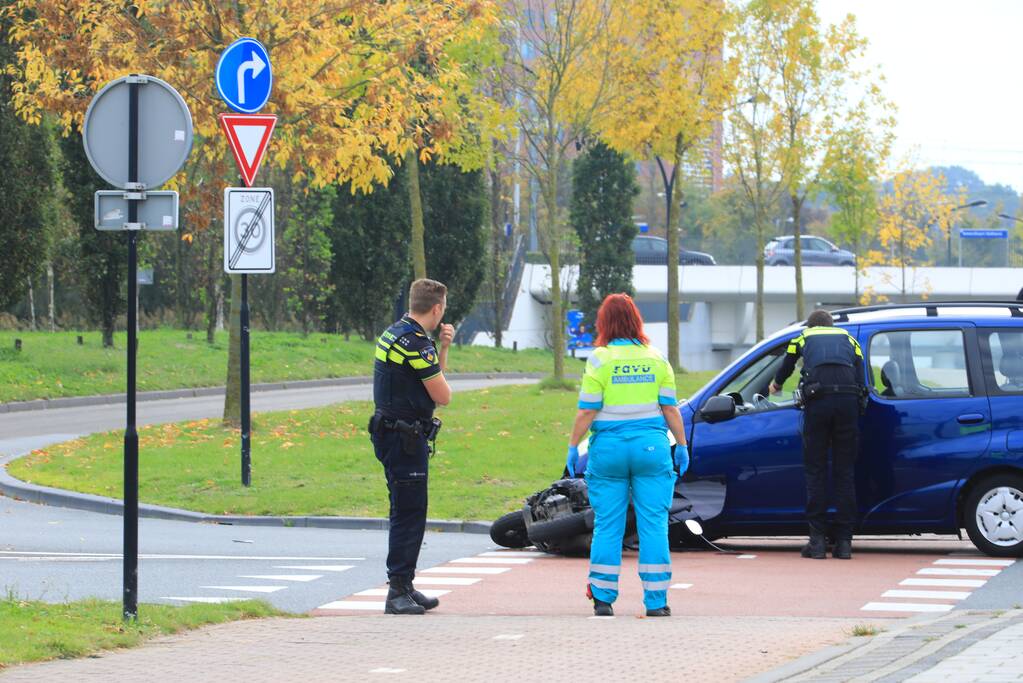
x: 617, y: 466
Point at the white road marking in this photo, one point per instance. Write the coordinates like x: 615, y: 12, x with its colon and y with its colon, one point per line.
x: 248, y: 589
x: 365, y: 605
x: 318, y: 568
x: 211, y: 601
x: 493, y: 560
x: 513, y: 553
x: 905, y: 607
x: 978, y: 563
x: 681, y: 586
x: 386, y: 670
x: 282, y: 577
x: 5, y: 554
x: 927, y: 595
x: 445, y: 581
x: 945, y: 571
x: 944, y: 583
x: 509, y: 636
x: 465, y: 570
x: 746, y: 557
x: 382, y: 593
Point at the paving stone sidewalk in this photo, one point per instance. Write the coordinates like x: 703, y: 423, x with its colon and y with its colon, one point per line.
x: 962, y: 646
x: 459, y: 648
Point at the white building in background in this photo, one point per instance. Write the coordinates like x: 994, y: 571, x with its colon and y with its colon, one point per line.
x: 718, y: 322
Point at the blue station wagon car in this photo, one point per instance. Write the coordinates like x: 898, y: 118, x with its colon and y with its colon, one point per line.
x: 941, y: 445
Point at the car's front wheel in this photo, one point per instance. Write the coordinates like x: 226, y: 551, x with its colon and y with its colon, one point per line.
x: 993, y: 515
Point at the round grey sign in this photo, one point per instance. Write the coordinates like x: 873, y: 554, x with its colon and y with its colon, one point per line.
x: 165, y: 132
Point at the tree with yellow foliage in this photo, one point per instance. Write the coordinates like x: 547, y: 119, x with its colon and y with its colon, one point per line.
x: 358, y: 83
x: 671, y: 86
x: 917, y: 202
x: 556, y: 73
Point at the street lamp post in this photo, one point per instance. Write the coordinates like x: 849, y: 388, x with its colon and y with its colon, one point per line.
x: 1008, y: 218
x: 970, y: 205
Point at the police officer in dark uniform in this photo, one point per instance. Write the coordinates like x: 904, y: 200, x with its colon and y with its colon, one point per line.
x: 832, y: 386
x: 408, y: 382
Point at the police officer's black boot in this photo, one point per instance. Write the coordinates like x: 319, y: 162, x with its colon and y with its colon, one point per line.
x: 400, y: 600
x: 421, y: 600
x: 843, y: 549
x: 816, y: 549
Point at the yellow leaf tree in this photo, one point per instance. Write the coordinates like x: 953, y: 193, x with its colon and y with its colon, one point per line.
x: 671, y: 86
x: 916, y: 203
x: 557, y: 74
x: 348, y: 100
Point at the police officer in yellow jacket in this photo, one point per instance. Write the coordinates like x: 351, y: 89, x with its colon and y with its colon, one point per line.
x: 408, y: 382
x: 832, y: 386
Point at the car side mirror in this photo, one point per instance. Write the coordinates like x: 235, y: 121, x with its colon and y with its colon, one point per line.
x: 835, y: 250
x: 718, y: 409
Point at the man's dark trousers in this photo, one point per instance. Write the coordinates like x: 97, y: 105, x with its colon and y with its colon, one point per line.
x: 830, y: 422
x: 407, y: 483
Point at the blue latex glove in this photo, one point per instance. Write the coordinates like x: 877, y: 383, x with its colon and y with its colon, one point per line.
x: 572, y: 460
x: 681, y: 457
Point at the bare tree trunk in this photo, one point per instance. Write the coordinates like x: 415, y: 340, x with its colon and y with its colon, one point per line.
x: 673, y: 229
x: 496, y: 266
x: 232, y: 396
x: 797, y: 206
x: 416, y: 207
x: 31, y: 304
x: 759, y: 227
x: 554, y: 257
x: 52, y: 308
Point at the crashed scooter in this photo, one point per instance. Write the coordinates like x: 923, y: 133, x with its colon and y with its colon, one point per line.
x: 559, y: 519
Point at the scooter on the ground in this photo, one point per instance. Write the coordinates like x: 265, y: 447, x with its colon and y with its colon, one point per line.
x: 559, y: 519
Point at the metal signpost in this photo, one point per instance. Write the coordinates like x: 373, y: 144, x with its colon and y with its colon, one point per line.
x: 983, y: 235
x: 244, y: 80
x: 137, y: 135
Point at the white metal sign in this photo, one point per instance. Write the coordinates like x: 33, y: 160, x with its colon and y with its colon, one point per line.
x: 249, y: 230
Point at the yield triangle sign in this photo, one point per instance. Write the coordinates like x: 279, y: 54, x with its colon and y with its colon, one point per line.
x: 248, y: 135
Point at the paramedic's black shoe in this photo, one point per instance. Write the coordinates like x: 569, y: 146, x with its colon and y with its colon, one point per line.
x: 423, y: 601
x: 602, y: 609
x: 400, y: 600
x: 815, y: 549
x: 843, y: 549
x: 659, y: 612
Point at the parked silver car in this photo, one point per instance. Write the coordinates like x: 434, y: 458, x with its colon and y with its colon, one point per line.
x: 817, y: 251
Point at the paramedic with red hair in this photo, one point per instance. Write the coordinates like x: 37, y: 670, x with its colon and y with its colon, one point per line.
x: 628, y: 404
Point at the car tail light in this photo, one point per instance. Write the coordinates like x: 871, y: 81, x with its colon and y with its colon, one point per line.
x: 770, y: 253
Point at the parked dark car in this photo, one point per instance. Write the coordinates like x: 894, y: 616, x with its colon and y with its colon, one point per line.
x: 817, y: 251
x: 654, y: 251
x: 941, y: 446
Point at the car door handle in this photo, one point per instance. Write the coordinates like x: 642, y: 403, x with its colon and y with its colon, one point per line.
x: 970, y: 419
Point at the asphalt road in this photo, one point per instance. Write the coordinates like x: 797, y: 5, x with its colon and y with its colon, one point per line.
x: 56, y: 554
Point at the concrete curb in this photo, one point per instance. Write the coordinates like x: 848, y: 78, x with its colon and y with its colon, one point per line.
x: 108, y: 399
x: 44, y: 495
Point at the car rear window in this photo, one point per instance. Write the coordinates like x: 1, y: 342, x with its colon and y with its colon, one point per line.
x: 1002, y: 351
x: 919, y: 364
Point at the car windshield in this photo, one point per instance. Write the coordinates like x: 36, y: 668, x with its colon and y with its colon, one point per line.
x: 756, y: 378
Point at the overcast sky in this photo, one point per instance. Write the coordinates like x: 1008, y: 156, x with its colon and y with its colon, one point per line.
x: 952, y: 67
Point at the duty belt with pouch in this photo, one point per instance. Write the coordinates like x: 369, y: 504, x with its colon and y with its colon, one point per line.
x: 410, y: 431
x: 811, y: 390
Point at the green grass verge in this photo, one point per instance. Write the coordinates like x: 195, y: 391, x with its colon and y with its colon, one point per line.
x: 53, y: 365
x: 497, y: 446
x: 32, y: 631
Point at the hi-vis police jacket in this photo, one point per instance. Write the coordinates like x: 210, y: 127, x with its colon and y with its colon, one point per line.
x: 830, y: 356
x: 405, y: 358
x: 627, y: 383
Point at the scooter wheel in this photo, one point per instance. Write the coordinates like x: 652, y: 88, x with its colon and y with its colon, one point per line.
x: 509, y: 531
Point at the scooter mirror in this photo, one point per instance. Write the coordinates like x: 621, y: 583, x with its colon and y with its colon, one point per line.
x: 694, y: 527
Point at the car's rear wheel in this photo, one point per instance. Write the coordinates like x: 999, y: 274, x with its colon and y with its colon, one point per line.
x: 993, y: 514
x: 509, y: 531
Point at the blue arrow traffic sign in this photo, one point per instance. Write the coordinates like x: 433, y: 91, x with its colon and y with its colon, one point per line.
x: 244, y: 77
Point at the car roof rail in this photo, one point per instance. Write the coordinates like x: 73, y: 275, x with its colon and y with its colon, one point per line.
x: 1015, y: 308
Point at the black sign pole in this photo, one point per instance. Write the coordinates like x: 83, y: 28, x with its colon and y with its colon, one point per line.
x: 131, y: 437
x: 246, y: 426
